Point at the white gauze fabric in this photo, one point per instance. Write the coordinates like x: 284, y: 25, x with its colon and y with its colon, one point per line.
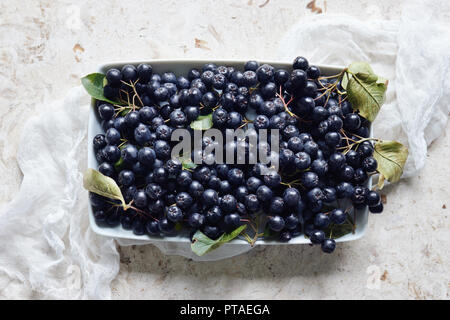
x: 46, y: 244
x: 47, y: 249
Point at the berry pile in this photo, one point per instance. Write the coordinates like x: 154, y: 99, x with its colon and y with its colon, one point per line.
x: 324, y: 155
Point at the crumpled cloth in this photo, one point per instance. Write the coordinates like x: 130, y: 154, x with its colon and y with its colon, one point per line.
x: 46, y: 245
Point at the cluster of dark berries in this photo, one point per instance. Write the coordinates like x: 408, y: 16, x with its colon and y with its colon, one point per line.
x: 324, y: 154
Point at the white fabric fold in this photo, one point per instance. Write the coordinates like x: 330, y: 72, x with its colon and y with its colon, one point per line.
x: 45, y: 239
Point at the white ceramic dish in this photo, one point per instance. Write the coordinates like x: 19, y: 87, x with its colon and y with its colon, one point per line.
x: 181, y: 67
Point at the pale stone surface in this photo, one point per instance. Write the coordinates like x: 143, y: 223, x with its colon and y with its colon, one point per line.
x: 46, y: 46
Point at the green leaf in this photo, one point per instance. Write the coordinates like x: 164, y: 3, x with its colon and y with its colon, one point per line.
x: 93, y: 83
x: 361, y: 68
x: 186, y: 162
x: 336, y: 231
x: 124, y: 112
x: 202, y: 122
x: 391, y: 157
x: 365, y: 90
x: 202, y: 244
x: 100, y: 184
x: 227, y: 237
x: 344, y: 81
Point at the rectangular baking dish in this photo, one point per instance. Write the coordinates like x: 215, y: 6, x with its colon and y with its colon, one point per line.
x: 181, y: 67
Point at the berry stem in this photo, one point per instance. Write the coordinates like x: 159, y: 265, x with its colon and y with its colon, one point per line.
x: 296, y: 182
x: 356, y: 143
x: 122, y: 143
x: 286, y: 104
x: 250, y: 91
x: 340, y: 74
x: 142, y: 212
x: 247, y: 237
